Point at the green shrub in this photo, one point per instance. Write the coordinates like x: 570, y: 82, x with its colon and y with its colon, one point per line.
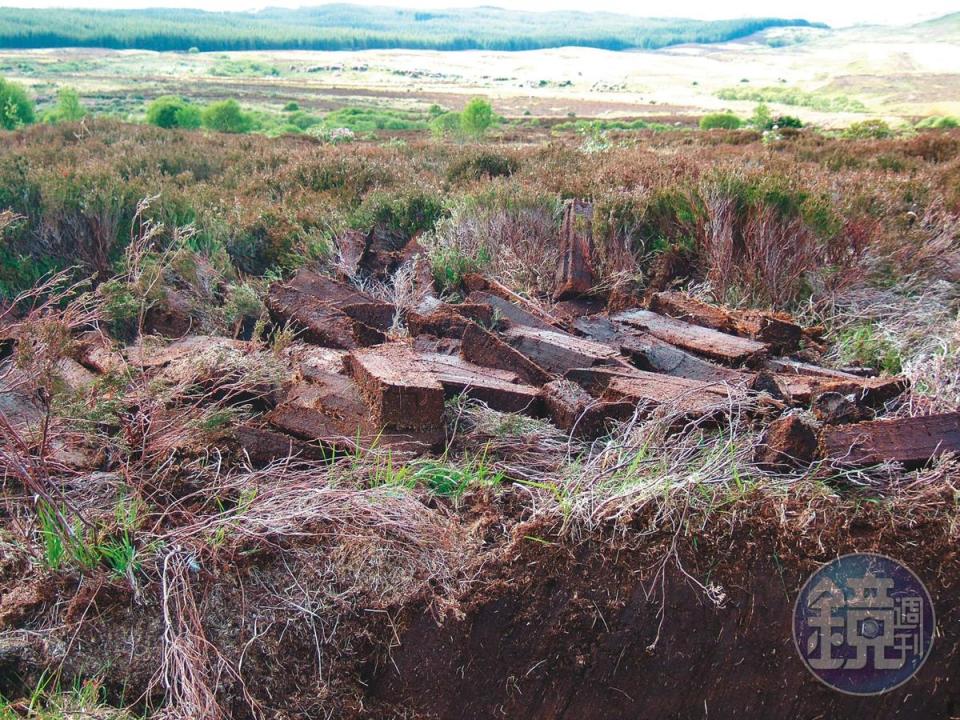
x: 477, y: 117
x: 68, y: 107
x: 792, y: 96
x: 720, y: 121
x: 401, y: 215
x: 227, y: 117
x: 16, y: 108
x: 938, y: 122
x: 189, y: 117
x: 303, y: 120
x: 485, y: 164
x: 291, y: 106
x: 372, y: 119
x: 170, y: 111
x: 269, y: 240
x: 449, y: 264
x: 446, y: 124
x: 788, y: 121
x: 874, y: 129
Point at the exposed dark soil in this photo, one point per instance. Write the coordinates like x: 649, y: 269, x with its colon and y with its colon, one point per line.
x: 571, y: 632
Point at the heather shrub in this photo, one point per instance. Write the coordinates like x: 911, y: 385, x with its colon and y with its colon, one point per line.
x: 401, y: 215
x: 482, y: 165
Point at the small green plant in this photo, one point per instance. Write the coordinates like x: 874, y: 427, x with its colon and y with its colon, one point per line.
x: 121, y: 306
x: 865, y: 345
x: 291, y: 106
x: 120, y: 554
x: 449, y: 264
x: 451, y: 480
x: 45, y: 702
x: 64, y: 543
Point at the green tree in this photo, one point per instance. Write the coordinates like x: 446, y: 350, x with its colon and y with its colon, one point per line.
x: 722, y: 121
x: 68, y: 107
x: 761, y: 118
x: 226, y: 116
x: 16, y: 107
x: 446, y: 124
x: 477, y: 117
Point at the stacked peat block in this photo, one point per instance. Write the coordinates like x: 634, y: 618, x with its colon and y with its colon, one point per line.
x: 583, y: 372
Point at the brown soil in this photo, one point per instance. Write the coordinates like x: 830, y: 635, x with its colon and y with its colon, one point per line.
x: 571, y: 631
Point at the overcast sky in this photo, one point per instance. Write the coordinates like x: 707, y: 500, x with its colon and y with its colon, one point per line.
x: 834, y: 12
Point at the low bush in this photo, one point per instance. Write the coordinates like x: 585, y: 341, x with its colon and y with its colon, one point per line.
x: 226, y: 116
x: 170, y: 111
x: 16, y: 107
x: 402, y: 215
x: 874, y: 129
x: 481, y: 165
x: 720, y: 121
x: 68, y: 107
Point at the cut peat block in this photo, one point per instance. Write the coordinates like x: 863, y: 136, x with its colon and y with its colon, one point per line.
x: 655, y: 355
x: 557, y: 352
x: 802, y: 383
x: 449, y: 320
x: 575, y: 272
x: 499, y: 389
x: 508, y: 310
x: 483, y: 348
x: 574, y: 410
x: 479, y: 283
x: 400, y: 394
x: 910, y: 441
x: 406, y: 388
x: 331, y: 411
x: 776, y: 329
x: 328, y: 290
x: 263, y: 446
x: 377, y: 315
x: 351, y: 247
x: 688, y: 397
x: 319, y: 321
x: 713, y: 344
x: 788, y: 442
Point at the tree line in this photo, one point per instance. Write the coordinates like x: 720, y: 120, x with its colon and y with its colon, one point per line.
x: 347, y: 27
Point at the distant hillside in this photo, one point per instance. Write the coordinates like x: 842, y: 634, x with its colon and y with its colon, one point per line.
x: 352, y: 27
x: 946, y: 27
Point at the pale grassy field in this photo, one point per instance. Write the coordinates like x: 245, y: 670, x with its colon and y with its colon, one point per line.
x: 895, y: 73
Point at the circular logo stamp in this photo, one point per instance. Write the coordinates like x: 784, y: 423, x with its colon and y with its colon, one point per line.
x: 863, y: 624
